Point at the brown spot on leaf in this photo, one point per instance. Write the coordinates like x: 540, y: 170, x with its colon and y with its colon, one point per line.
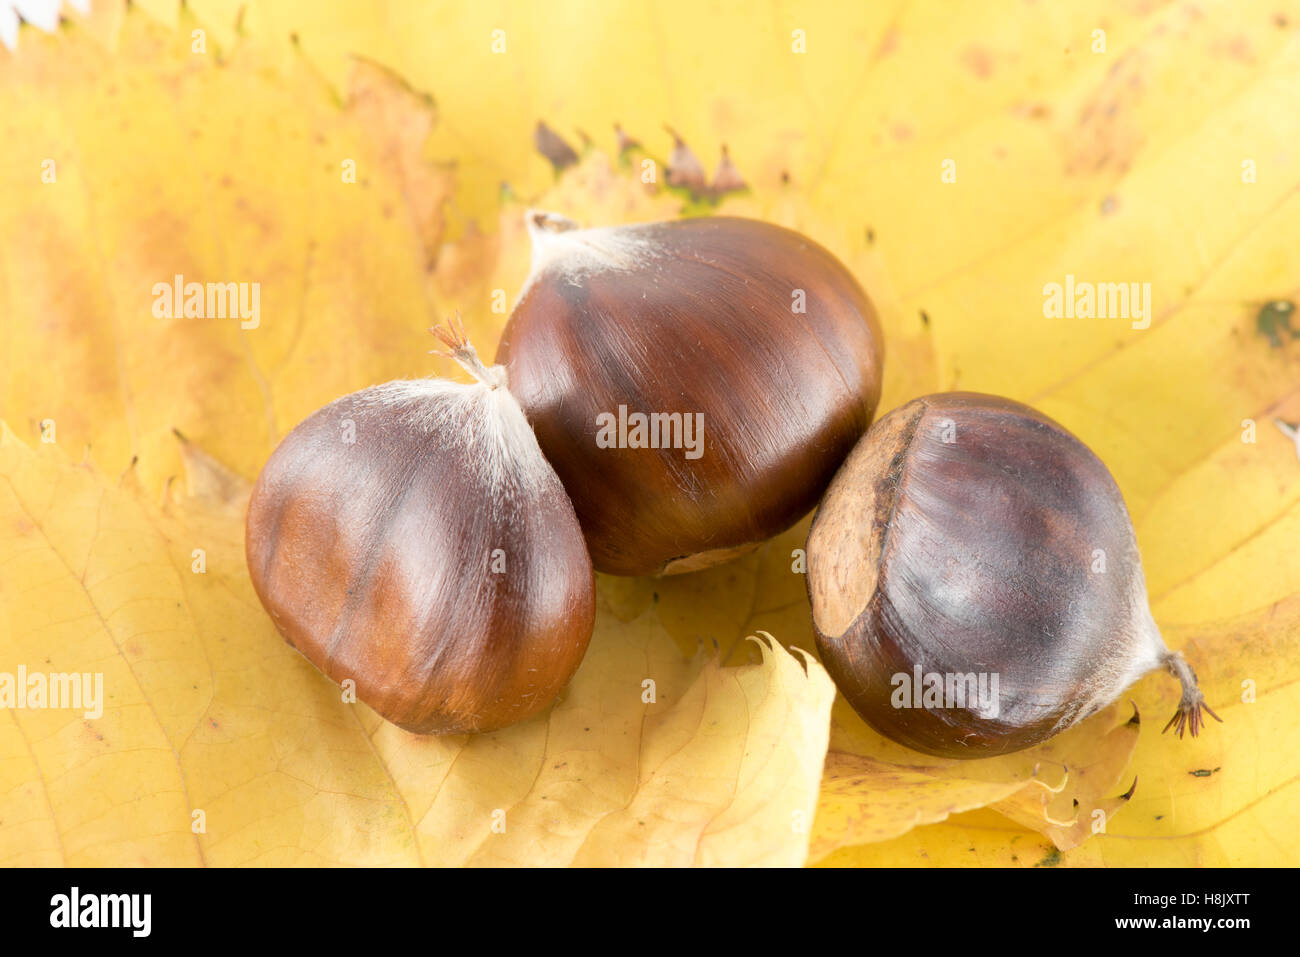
x: 1107, y: 135
x: 888, y: 43
x: 1235, y: 47
x: 978, y: 60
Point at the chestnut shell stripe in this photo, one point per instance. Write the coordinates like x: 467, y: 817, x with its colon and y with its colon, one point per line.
x: 691, y: 317
x: 374, y: 558
x: 982, y: 562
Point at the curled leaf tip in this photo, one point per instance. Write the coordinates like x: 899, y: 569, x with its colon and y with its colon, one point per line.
x: 625, y: 142
x: 727, y: 179
x: 1137, y: 716
x: 551, y: 145
x: 684, y: 168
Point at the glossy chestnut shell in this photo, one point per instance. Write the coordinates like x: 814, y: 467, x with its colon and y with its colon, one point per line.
x: 970, y: 535
x: 755, y: 329
x: 434, y: 559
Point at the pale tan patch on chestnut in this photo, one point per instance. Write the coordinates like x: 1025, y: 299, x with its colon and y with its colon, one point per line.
x: 849, y: 531
x: 706, y: 559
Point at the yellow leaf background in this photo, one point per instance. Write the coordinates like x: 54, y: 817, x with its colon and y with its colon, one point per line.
x: 205, y: 708
x: 1122, y: 165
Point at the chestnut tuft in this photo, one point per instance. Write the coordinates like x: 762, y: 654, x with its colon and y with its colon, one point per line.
x: 694, y: 383
x: 412, y: 538
x: 975, y: 581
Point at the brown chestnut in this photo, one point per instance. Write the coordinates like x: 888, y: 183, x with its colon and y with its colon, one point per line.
x: 694, y: 383
x: 975, y: 581
x: 412, y: 538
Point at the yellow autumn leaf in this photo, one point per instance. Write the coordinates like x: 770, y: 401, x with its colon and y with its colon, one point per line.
x: 1221, y: 799
x: 1124, y: 163
x: 218, y: 744
x: 162, y: 164
x: 1111, y: 164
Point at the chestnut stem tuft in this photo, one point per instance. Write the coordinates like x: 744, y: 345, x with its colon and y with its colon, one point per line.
x: 1188, y: 715
x: 465, y: 354
x: 539, y: 221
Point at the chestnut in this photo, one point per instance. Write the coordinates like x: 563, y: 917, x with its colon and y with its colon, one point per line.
x: 412, y: 538
x: 975, y: 581
x: 694, y: 383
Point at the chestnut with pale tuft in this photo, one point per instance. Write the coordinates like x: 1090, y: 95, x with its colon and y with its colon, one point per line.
x: 970, y: 538
x: 753, y: 331
x: 412, y: 538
